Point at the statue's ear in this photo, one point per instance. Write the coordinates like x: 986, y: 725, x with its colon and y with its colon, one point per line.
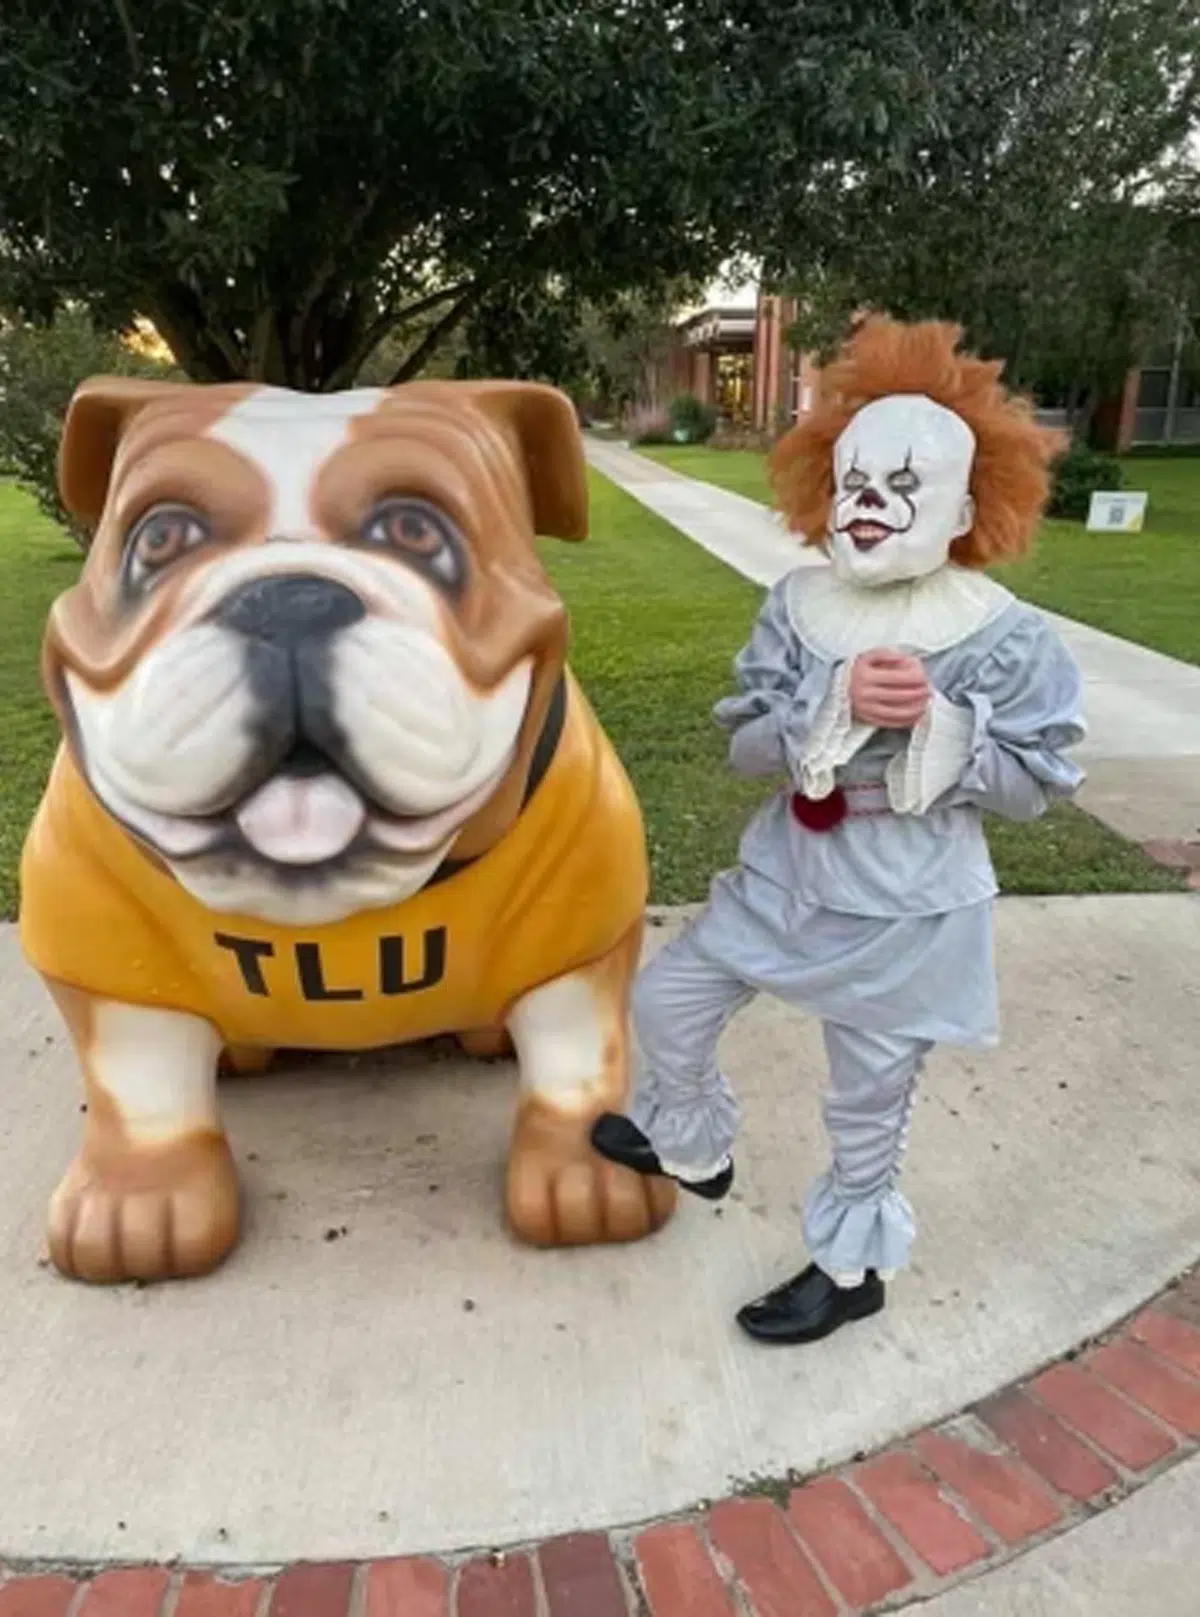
x: 544, y: 424
x: 97, y: 416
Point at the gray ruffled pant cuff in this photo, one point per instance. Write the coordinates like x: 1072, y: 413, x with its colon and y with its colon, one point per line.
x: 845, y: 1237
x: 693, y: 1134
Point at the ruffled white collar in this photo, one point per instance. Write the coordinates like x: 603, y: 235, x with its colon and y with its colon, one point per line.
x: 921, y: 616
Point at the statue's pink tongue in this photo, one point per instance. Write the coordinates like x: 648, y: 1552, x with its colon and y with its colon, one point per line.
x: 302, y: 820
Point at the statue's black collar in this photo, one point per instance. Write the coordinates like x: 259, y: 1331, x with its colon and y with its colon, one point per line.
x: 542, y: 757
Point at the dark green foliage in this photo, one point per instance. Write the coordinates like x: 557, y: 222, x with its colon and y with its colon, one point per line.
x: 40, y: 368
x: 281, y: 184
x: 1079, y: 474
x: 1054, y: 212
x: 692, y: 422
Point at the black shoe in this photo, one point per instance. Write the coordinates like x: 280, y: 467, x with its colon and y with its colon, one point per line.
x: 621, y: 1141
x: 809, y: 1307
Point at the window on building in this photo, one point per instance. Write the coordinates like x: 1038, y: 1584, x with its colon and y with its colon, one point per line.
x: 1154, y: 388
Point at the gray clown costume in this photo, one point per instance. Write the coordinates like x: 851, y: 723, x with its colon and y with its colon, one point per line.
x: 881, y: 925
x: 864, y: 890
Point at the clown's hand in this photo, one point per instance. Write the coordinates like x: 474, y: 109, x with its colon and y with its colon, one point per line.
x: 889, y: 690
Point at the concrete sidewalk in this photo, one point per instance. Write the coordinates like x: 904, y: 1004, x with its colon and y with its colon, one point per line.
x: 1142, y: 753
x: 1141, y: 1557
x: 740, y: 532
x: 422, y: 1384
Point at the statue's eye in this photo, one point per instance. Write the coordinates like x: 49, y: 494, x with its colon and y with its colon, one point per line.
x: 419, y: 531
x: 855, y: 481
x: 905, y: 481
x: 159, y: 538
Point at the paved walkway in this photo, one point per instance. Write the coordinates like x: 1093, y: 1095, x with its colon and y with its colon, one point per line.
x: 1143, y: 750
x: 738, y: 531
x: 1073, y: 1495
x: 1138, y: 1558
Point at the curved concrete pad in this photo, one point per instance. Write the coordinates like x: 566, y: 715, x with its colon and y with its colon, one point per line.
x: 1139, y: 1557
x: 420, y: 1383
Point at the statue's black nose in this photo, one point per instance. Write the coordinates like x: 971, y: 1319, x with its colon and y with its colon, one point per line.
x: 290, y: 609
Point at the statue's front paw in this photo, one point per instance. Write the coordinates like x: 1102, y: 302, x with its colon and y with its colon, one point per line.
x: 147, y: 1213
x: 560, y: 1193
x: 244, y: 1060
x: 486, y: 1044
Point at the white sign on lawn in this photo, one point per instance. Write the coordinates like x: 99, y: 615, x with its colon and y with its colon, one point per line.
x: 1117, y: 513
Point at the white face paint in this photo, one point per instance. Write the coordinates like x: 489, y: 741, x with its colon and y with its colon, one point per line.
x: 902, y: 471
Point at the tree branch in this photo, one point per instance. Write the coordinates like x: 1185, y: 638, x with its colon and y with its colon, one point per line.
x: 131, y: 44
x: 374, y: 333
x: 320, y: 281
x: 433, y: 339
x: 410, y: 311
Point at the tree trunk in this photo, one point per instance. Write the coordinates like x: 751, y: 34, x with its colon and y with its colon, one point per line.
x: 318, y: 350
x: 197, y: 351
x: 1100, y: 419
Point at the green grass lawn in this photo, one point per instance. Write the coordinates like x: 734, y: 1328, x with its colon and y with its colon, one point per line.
x: 1144, y: 587
x: 37, y: 562
x: 656, y: 621
x: 742, y: 471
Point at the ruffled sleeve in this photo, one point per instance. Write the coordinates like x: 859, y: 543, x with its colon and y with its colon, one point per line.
x: 999, y: 735
x: 834, y: 736
x: 935, y: 758
x: 791, y: 713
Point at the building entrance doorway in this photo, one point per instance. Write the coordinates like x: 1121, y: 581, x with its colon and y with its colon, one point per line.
x: 734, y: 387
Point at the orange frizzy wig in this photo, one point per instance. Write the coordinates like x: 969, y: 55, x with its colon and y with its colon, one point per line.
x: 1010, y: 475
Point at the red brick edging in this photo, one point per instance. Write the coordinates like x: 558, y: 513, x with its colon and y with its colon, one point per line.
x: 1183, y: 857
x: 944, y: 1504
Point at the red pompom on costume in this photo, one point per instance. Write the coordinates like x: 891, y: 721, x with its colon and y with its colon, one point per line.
x: 820, y: 813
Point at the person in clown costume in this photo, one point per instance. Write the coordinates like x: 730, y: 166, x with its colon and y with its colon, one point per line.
x: 898, y: 692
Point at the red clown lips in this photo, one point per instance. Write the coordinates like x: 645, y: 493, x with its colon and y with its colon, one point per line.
x: 867, y: 534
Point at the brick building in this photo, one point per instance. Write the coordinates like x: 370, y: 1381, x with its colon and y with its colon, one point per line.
x: 734, y: 353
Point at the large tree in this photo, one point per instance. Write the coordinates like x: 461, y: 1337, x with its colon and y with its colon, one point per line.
x: 1051, y: 212
x: 281, y: 184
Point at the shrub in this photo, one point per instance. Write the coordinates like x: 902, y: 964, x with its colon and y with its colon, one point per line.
x: 649, y: 426
x: 691, y: 421
x: 1078, y: 474
x: 40, y: 368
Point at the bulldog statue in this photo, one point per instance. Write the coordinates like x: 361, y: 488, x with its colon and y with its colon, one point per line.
x: 326, y: 783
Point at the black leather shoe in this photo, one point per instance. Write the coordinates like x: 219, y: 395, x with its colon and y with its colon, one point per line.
x: 809, y: 1307
x: 621, y: 1141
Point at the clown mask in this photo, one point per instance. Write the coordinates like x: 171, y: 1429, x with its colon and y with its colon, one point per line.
x: 902, y: 471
